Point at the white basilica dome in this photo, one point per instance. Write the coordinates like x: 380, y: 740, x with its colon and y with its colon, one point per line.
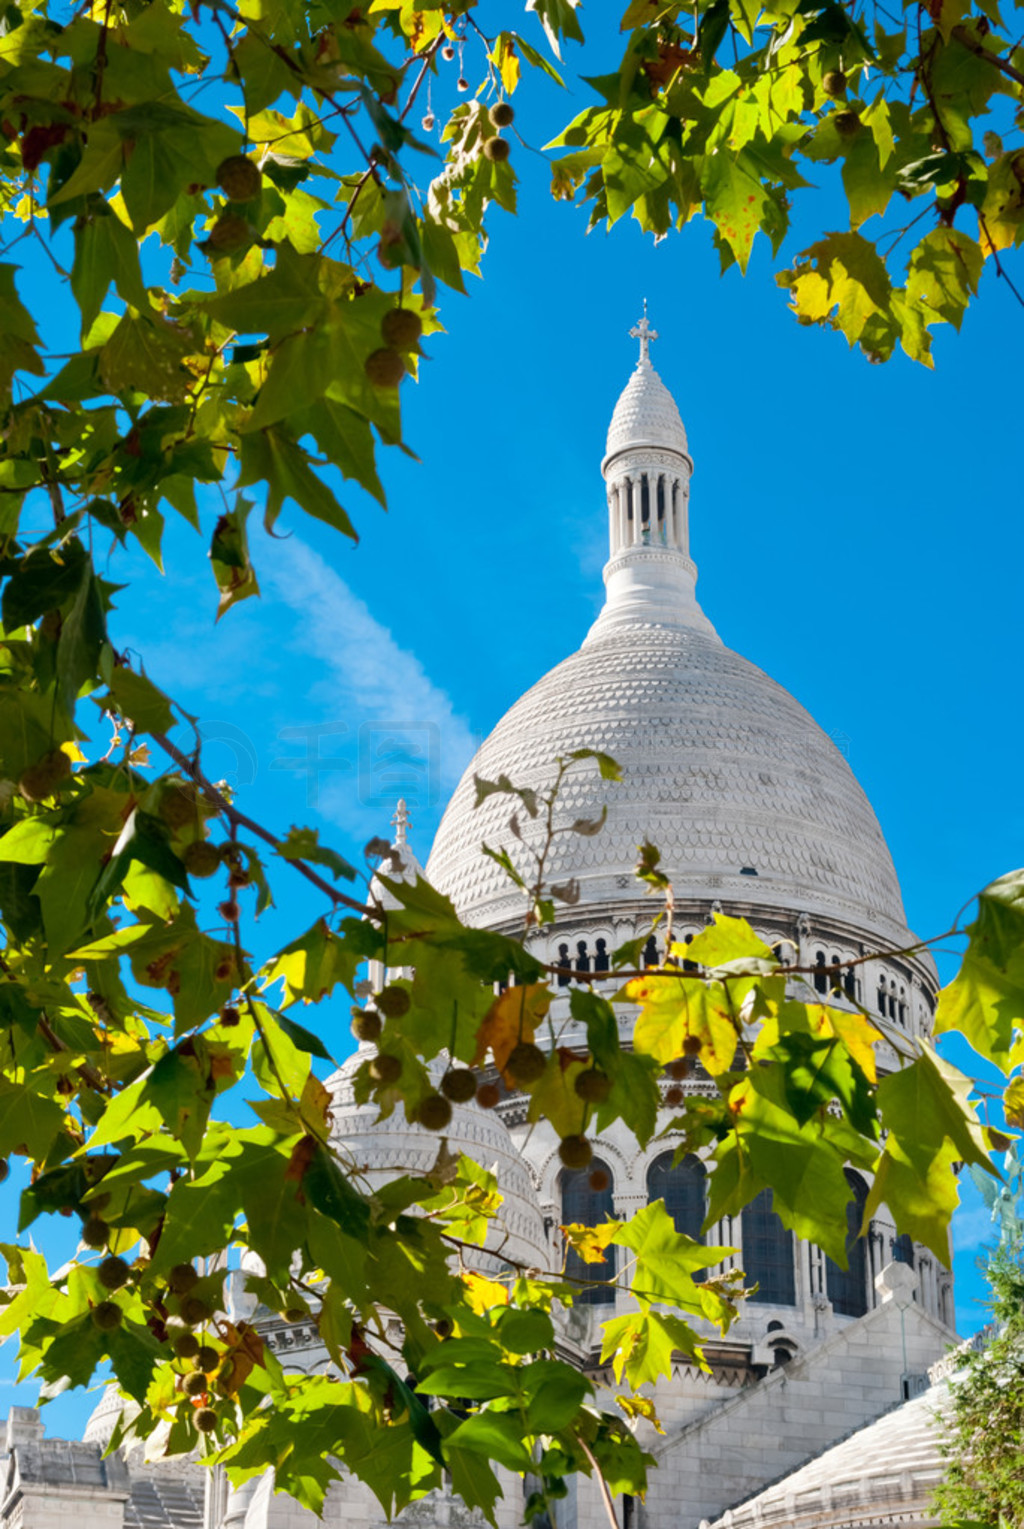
x: 745, y: 796
x: 721, y: 768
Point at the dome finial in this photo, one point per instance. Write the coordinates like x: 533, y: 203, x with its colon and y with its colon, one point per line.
x: 401, y: 821
x: 645, y: 334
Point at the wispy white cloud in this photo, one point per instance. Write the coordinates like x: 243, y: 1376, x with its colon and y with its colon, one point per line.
x: 407, y: 727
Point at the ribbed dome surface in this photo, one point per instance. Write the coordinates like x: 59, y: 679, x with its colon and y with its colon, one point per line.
x: 646, y: 415
x: 386, y: 1149
x: 722, y: 769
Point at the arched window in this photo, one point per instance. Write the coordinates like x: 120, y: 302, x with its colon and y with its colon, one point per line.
x: 564, y: 977
x: 820, y: 973
x: 903, y: 1249
x: 650, y: 956
x: 848, y: 1288
x: 586, y: 1206
x: 768, y: 1253
x: 682, y: 1189
x: 602, y: 961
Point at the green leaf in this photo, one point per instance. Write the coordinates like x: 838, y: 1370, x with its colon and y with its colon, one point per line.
x: 931, y: 1123
x: 847, y: 275
x: 18, y: 336
x: 728, y: 944
x: 105, y: 251
x: 985, y: 1001
x: 140, y: 702
x: 496, y: 1435
x: 273, y: 457
x: 945, y: 269
x: 304, y: 844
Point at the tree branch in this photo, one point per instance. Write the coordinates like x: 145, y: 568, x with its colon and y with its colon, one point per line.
x: 241, y: 820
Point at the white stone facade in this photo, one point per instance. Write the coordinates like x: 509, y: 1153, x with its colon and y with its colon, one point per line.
x: 755, y: 812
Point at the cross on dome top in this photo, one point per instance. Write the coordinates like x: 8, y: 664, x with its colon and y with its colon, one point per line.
x: 645, y: 334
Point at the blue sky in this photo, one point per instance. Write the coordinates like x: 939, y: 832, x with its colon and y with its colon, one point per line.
x: 857, y: 530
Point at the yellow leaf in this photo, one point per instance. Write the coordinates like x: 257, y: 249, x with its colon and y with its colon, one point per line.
x: 856, y: 1032
x: 553, y: 1097
x: 684, y: 1016
x: 506, y: 60
x: 590, y: 1242
x: 512, y: 1017
x: 483, y: 1294
x: 640, y: 1407
x: 1013, y: 1103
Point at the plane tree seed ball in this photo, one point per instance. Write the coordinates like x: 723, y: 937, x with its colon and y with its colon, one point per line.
x: 95, y: 1232
x: 593, y: 1085
x: 674, y: 1096
x: 434, y: 1112
x: 106, y: 1316
x: 206, y: 1420
x: 834, y: 83
x: 598, y: 1180
x: 680, y: 1068
x: 181, y: 1278
x: 384, y: 368
x: 201, y: 859
x: 501, y: 114
x: 113, y: 1273
x: 41, y: 779
x: 178, y: 806
x: 195, y: 1384
x: 207, y: 1357
x: 401, y: 328
x: 488, y: 1095
x: 459, y: 1085
x: 527, y: 1063
x: 238, y: 178
x: 186, y: 1345
x: 497, y: 149
x: 229, y: 234
x: 393, y: 1002
x: 386, y: 1068
x: 847, y: 124
x: 692, y: 1045
x: 366, y: 1024
x: 194, y: 1310
x: 296, y: 1314
x: 575, y: 1151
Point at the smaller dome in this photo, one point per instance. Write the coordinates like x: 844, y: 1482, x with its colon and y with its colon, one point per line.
x: 388, y: 1148
x: 645, y: 415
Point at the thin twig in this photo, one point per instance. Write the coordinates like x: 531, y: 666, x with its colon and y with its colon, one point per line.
x: 606, y: 1496
x: 972, y: 45
x: 241, y: 820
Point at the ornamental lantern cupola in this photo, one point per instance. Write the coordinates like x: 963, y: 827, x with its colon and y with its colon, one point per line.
x: 650, y: 575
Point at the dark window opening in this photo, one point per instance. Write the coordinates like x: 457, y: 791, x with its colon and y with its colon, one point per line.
x: 848, y: 1288
x: 563, y: 960
x: 768, y: 1253
x: 851, y: 987
x: 582, y: 959
x: 748, y: 870
x: 820, y: 973
x: 651, y: 952
x: 645, y: 501
x: 881, y: 1001
x: 585, y: 1206
x: 682, y: 1189
x: 690, y: 966
x: 602, y: 962
x: 903, y: 1250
